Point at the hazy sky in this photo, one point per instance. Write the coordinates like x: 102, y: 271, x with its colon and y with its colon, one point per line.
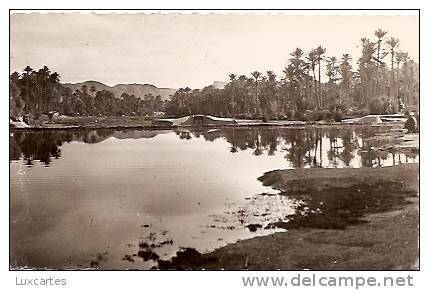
x: 186, y: 50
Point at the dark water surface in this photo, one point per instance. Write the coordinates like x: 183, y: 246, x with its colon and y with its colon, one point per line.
x: 96, y: 198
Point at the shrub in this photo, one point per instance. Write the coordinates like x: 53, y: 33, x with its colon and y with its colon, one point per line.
x: 377, y: 106
x: 360, y: 113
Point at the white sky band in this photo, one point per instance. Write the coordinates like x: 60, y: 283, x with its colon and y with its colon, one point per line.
x: 187, y: 50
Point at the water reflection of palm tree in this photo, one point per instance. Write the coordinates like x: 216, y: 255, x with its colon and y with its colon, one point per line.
x: 268, y: 140
x: 185, y: 135
x: 36, y: 146
x: 46, y: 145
x: 233, y: 142
x: 272, y: 142
x: 297, y: 150
x: 333, y: 152
x: 410, y: 155
x: 318, y: 140
x: 371, y: 156
x: 321, y: 148
x: 350, y: 143
x: 311, y: 143
x: 258, y: 150
x: 303, y: 147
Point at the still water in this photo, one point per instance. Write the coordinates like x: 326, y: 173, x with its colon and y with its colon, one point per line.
x: 86, y: 199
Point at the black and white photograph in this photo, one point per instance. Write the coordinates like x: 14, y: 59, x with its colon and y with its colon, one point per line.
x: 211, y: 140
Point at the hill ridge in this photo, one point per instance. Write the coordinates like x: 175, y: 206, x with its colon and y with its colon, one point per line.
x: 137, y: 89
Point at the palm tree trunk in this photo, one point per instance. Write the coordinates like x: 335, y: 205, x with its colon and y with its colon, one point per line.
x: 319, y: 89
x: 256, y: 99
x: 315, y: 87
x: 320, y: 148
x: 412, y: 87
x: 392, y: 78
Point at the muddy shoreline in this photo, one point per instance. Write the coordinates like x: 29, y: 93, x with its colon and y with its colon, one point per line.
x: 138, y: 122
x: 353, y: 219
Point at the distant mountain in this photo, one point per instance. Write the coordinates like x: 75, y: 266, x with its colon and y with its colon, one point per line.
x: 94, y: 137
x: 138, y: 90
x: 219, y: 85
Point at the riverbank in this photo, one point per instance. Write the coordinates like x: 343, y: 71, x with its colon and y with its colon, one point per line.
x: 141, y: 122
x: 353, y: 219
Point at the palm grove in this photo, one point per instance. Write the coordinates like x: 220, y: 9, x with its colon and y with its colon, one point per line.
x: 38, y: 92
x: 384, y: 75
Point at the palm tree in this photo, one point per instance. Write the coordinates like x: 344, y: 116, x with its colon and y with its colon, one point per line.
x: 55, y: 85
x: 392, y: 43
x: 379, y: 33
x: 295, y: 74
x: 232, y: 78
x: 367, y: 70
x: 84, y: 89
x: 256, y: 75
x: 28, y: 71
x: 408, y: 74
x: 346, y: 75
x: 404, y: 58
x: 331, y: 72
x: 272, y: 89
x: 93, y: 90
x: 271, y: 75
x: 312, y: 62
x: 42, y: 77
x: 319, y: 54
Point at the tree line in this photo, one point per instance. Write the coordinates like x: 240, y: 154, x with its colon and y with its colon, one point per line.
x: 384, y: 78
x: 36, y: 92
